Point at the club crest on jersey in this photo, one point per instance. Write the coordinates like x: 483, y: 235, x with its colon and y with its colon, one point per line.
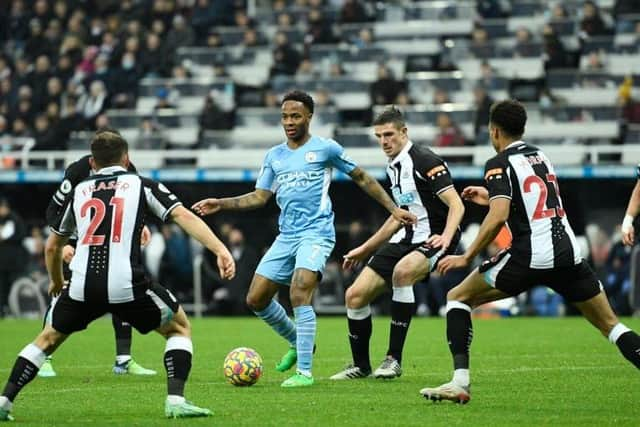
x: 310, y: 156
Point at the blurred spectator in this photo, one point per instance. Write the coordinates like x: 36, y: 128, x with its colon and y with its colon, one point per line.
x: 482, y: 104
x: 363, y: 39
x: 592, y: 23
x: 251, y: 38
x: 214, y: 40
x: 180, y: 34
x: 285, y: 57
x: 228, y: 295
x: 18, y: 21
x: 13, y: 254
x: 270, y: 99
x: 480, y: 45
x: 219, y: 71
x: 630, y: 109
x: 34, y: 245
x: 593, y: 62
x: 164, y: 99
x: 64, y: 69
x: 449, y: 134
x: 555, y: 55
x: 214, y: 117
x: 95, y: 103
x: 155, y: 61
x: 45, y: 136
x: 176, y: 269
x: 284, y: 21
x: 322, y: 98
x: 150, y: 136
x: 403, y: 98
x: 125, y: 82
x: 617, y: 283
x: 319, y: 29
x: 20, y: 128
x: 336, y: 69
x: 525, y: 46
x: 307, y: 69
x: 353, y: 11
x: 386, y: 88
x: 492, y: 9
x: 54, y: 91
x: 101, y: 122
x: 210, y: 13
x: 621, y: 11
x: 440, y: 96
x: 37, y: 44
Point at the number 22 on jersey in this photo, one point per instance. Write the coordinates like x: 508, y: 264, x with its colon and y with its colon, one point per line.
x: 540, y: 212
x: 100, y: 210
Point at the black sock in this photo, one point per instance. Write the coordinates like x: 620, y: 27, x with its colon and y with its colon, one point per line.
x: 123, y: 336
x: 629, y: 345
x: 401, y: 313
x: 178, y: 364
x: 459, y: 335
x: 359, y: 335
x: 23, y: 372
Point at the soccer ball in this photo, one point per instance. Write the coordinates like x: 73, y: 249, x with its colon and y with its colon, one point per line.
x: 242, y: 366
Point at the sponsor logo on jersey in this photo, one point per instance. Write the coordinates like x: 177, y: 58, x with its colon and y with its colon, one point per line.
x: 298, y: 178
x: 402, y: 198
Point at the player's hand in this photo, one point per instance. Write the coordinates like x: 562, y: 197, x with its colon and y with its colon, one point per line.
x: 438, y: 241
x: 226, y: 265
x: 628, y: 237
x: 55, y: 289
x: 404, y: 216
x: 476, y: 194
x: 355, y: 257
x: 145, y: 236
x: 206, y: 206
x: 451, y: 262
x: 628, y: 231
x: 68, y: 252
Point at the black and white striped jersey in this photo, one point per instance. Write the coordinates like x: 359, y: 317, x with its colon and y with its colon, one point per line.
x: 417, y: 177
x: 73, y: 174
x: 541, y: 235
x: 108, y: 211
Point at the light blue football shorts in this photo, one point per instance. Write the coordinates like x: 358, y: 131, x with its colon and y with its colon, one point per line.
x: 288, y: 254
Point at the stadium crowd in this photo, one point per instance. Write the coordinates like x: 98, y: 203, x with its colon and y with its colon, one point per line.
x: 65, y: 64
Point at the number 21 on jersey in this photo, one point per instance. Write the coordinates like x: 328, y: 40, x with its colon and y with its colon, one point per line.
x: 100, y: 210
x: 536, y: 181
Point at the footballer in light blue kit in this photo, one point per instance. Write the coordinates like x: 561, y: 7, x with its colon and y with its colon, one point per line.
x: 298, y: 171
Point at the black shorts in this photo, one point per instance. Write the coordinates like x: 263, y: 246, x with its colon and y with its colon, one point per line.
x: 575, y: 283
x: 145, y: 314
x: 386, y: 258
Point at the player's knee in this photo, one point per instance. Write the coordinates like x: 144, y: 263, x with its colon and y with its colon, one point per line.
x: 255, y: 302
x: 354, y: 298
x: 402, y: 276
x: 299, y: 296
x: 460, y: 296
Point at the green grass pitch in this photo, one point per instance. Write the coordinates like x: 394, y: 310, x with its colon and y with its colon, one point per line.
x: 525, y: 372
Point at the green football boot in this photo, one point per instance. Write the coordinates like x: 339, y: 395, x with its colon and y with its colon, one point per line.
x: 298, y: 380
x: 185, y: 410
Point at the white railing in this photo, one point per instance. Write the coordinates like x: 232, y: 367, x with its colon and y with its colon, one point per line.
x: 234, y: 159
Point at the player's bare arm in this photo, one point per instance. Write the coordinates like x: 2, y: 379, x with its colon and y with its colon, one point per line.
x: 197, y: 229
x: 454, y: 217
x: 357, y: 255
x: 628, y: 232
x: 476, y: 194
x: 498, y: 214
x: 53, y: 260
x: 375, y: 190
x: 254, y: 200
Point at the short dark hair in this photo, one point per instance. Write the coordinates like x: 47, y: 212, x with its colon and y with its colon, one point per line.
x: 300, y: 96
x: 390, y: 115
x: 107, y: 147
x: 510, y: 116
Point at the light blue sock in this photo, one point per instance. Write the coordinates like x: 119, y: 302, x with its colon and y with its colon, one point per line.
x: 306, y: 327
x: 277, y: 318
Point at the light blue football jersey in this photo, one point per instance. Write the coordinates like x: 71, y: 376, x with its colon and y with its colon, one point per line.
x: 300, y: 179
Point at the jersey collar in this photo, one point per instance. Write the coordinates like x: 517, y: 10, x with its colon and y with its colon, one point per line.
x: 402, y: 153
x: 513, y: 144
x: 110, y: 170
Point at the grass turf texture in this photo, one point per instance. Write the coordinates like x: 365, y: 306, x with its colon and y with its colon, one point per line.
x: 526, y: 371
